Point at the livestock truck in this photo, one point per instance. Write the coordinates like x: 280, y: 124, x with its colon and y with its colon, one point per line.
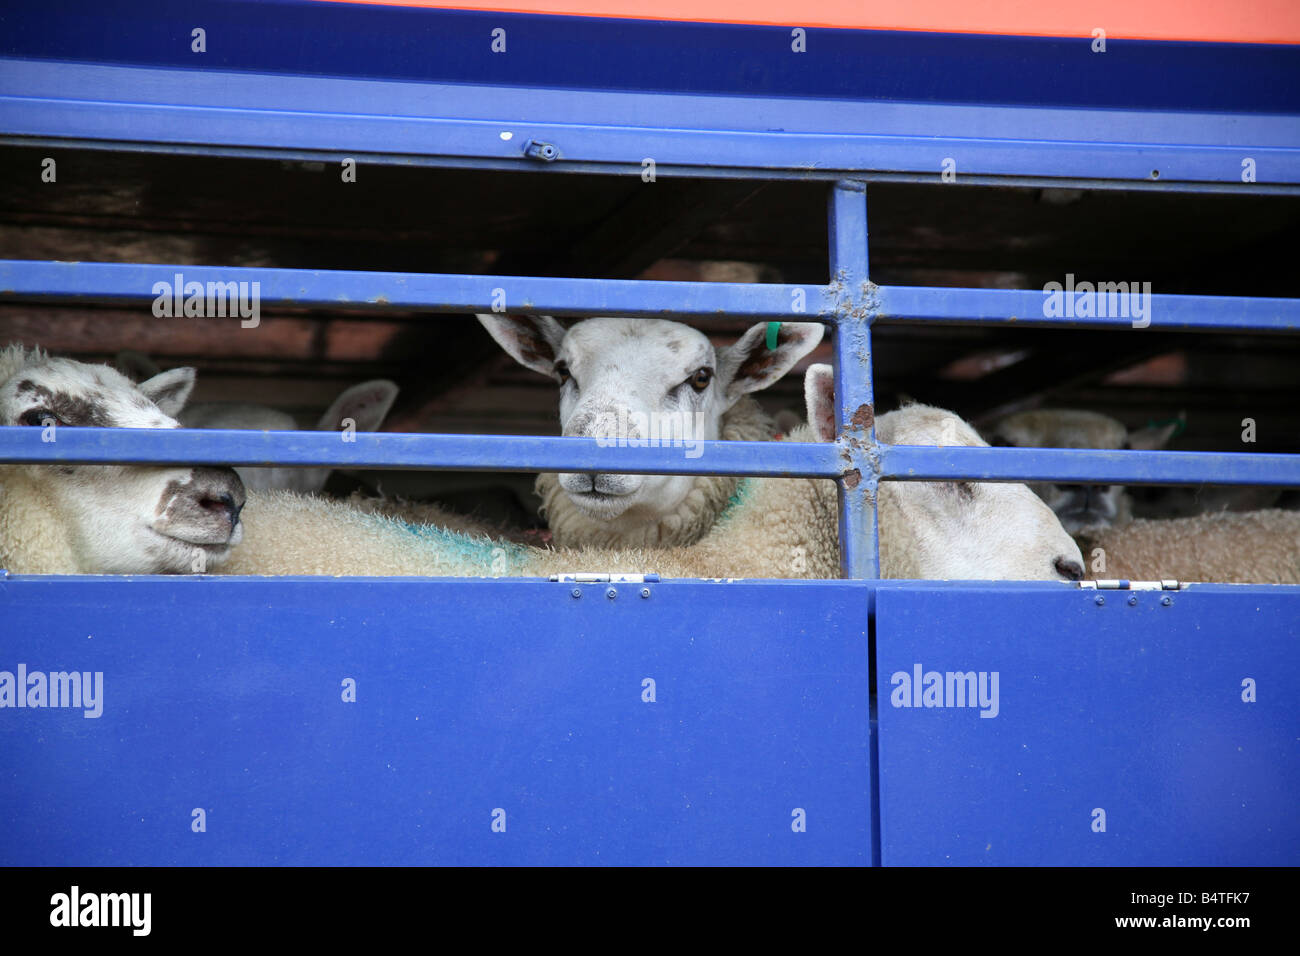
x: 378, y: 172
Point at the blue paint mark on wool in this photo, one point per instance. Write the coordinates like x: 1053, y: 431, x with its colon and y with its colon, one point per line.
x: 744, y: 491
x: 493, y: 557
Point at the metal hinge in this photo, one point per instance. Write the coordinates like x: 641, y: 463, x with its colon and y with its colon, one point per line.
x: 597, y: 577
x: 1119, y: 585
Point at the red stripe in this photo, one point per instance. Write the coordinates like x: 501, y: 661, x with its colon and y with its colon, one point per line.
x: 1244, y: 21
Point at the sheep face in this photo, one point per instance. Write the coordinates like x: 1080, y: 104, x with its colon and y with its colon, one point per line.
x: 117, y: 519
x: 645, y: 382
x: 967, y: 530
x: 1079, y: 507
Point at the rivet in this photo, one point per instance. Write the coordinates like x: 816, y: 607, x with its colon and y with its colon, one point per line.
x: 1100, y: 600
x: 576, y: 592
x: 611, y: 594
x: 645, y: 592
x: 1167, y: 601
x: 1132, y: 602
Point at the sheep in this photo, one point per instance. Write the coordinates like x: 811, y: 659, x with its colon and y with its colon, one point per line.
x: 772, y: 526
x: 365, y: 405
x: 106, y: 519
x: 1079, y: 506
x: 432, y: 513
x: 783, y: 527
x: 1253, y: 547
x: 647, y: 381
x: 1084, y: 509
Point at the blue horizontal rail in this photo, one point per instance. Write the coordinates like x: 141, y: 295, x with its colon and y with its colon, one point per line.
x: 1087, y: 466
x: 132, y: 283
x: 154, y: 446
x: 1205, y: 313
x: 770, y: 137
x: 382, y: 450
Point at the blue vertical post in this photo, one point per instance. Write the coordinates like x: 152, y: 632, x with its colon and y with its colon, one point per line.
x: 855, y: 306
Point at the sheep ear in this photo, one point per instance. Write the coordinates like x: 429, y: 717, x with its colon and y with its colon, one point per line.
x: 750, y: 366
x: 531, y: 340
x: 1153, y: 436
x: 170, y: 390
x: 366, y: 404
x: 135, y: 365
x: 819, y: 394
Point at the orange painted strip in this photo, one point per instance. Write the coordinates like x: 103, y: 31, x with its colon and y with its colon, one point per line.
x: 1244, y: 21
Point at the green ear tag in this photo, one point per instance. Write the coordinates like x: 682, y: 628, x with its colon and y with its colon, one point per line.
x: 1180, y: 422
x: 772, y: 329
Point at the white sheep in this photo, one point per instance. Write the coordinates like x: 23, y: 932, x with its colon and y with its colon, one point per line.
x: 773, y: 527
x: 648, y: 382
x: 1250, y: 547
x: 1079, y: 506
x: 106, y: 519
x: 361, y: 407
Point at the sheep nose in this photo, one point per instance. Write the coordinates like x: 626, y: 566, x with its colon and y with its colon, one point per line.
x: 222, y: 502
x: 219, y: 491
x: 1069, y: 569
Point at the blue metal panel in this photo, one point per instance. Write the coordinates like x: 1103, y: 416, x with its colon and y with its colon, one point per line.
x: 452, y: 46
x: 777, y: 136
x: 1135, y: 710
x: 226, y: 695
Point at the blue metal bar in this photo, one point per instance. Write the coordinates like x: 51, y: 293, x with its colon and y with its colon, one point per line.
x: 152, y: 446
x: 414, y: 451
x: 136, y: 283
x: 1086, y: 466
x: 855, y: 404
x: 663, y: 171
x: 1182, y: 313
x: 816, y: 138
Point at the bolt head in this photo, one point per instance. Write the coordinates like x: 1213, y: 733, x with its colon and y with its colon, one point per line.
x: 576, y: 592
x: 1132, y: 601
x: 1100, y: 600
x: 1167, y: 601
x: 611, y: 594
x: 645, y: 592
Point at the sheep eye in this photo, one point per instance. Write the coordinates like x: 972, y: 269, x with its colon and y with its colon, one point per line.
x: 700, y: 379
x: 36, y: 417
x: 562, y: 370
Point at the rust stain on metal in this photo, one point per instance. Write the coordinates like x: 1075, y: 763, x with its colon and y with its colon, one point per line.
x: 852, y: 478
x: 864, y: 417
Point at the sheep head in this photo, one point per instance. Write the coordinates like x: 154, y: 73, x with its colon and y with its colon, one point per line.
x: 114, y: 519
x: 1079, y: 506
x: 634, y: 382
x: 962, y: 530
